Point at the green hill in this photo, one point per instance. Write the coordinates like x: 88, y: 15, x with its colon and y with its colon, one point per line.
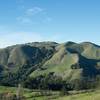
x: 47, y: 60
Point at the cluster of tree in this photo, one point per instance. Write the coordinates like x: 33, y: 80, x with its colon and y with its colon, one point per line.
x: 75, y: 66
x: 9, y: 78
x: 51, y: 82
x: 47, y: 82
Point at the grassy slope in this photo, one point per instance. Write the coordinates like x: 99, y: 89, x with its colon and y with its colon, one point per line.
x: 60, y: 62
x: 91, y: 51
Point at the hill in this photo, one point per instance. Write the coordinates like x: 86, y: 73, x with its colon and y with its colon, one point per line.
x: 50, y: 63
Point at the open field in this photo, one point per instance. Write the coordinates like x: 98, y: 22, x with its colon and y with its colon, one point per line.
x: 50, y: 95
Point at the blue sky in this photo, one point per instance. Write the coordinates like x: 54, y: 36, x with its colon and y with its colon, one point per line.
x: 24, y: 21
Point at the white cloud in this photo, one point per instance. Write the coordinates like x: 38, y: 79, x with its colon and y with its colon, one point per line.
x: 12, y: 38
x: 33, y: 11
x: 19, y: 38
x: 29, y: 14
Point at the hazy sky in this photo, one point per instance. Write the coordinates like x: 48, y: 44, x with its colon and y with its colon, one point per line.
x: 49, y: 20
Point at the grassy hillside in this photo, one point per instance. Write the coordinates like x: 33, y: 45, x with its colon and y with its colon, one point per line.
x: 85, y: 56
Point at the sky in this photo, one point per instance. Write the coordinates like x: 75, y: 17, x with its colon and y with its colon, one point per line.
x: 23, y: 21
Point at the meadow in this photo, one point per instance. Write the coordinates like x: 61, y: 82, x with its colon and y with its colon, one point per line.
x: 53, y: 95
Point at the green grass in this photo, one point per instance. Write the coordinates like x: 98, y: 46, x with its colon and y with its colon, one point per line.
x: 35, y: 95
x: 82, y: 96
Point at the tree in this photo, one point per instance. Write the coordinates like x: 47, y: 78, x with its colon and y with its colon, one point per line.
x: 75, y: 66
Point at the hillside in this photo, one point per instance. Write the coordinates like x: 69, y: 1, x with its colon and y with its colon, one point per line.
x: 38, y: 61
